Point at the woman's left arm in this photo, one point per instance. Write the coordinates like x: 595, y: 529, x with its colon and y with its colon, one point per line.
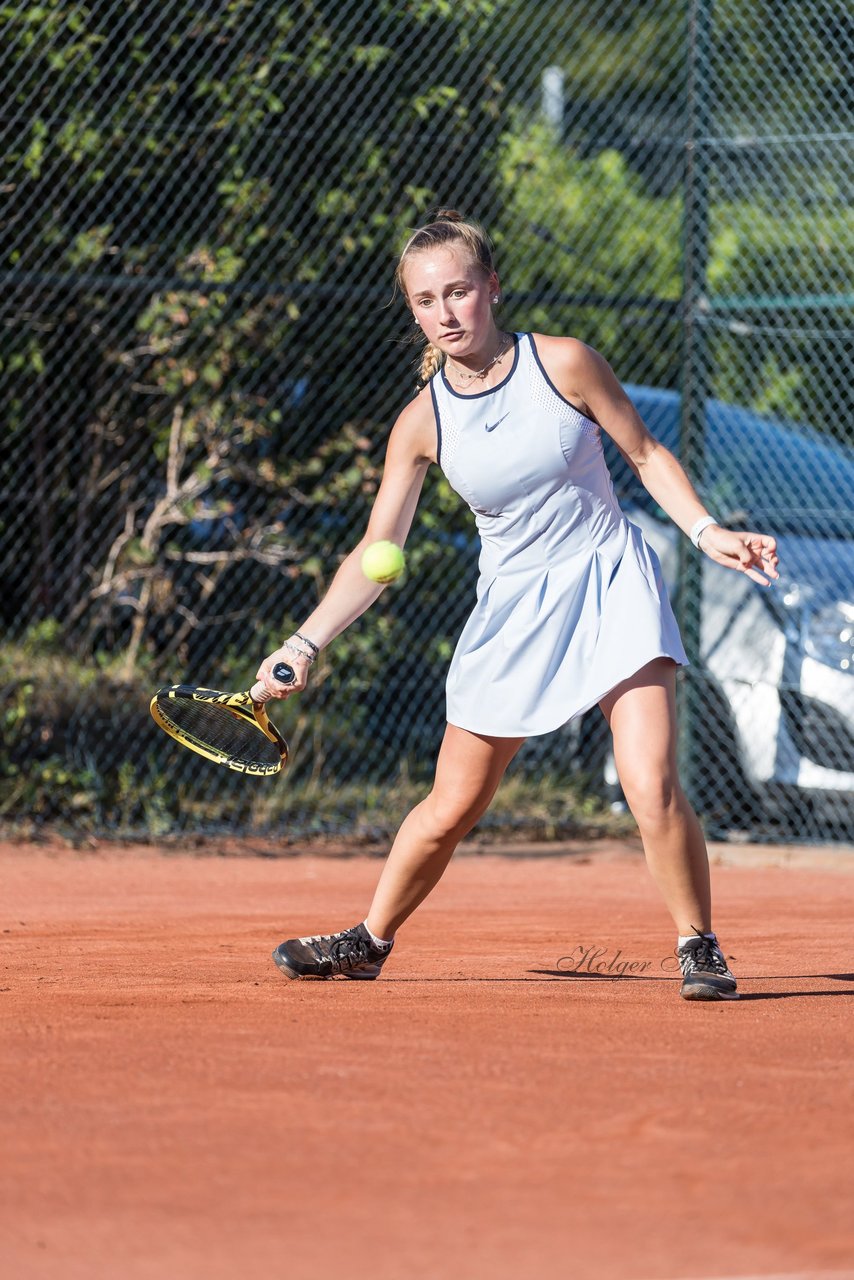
x: 586, y: 379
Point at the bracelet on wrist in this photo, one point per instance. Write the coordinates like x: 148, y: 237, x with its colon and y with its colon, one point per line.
x: 699, y: 527
x: 298, y: 635
x: 294, y: 648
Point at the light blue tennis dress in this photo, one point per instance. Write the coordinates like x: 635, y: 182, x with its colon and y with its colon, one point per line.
x: 570, y: 599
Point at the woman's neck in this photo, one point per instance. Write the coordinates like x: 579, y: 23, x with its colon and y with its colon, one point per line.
x: 479, y: 365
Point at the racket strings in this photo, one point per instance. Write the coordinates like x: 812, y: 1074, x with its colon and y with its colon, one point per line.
x: 216, y: 728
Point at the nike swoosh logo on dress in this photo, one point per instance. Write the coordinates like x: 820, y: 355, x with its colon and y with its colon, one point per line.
x: 490, y: 426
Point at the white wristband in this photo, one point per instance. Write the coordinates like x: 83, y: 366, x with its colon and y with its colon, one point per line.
x: 699, y: 527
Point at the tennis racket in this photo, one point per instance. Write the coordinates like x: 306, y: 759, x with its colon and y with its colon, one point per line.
x: 229, y: 728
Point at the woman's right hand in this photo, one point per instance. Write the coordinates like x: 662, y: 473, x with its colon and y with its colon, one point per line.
x: 301, y: 667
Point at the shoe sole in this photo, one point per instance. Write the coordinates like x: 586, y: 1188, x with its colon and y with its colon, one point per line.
x: 282, y: 965
x: 701, y: 992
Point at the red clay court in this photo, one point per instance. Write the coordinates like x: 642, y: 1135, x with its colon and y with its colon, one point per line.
x: 172, y: 1108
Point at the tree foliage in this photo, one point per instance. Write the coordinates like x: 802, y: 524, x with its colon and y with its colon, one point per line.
x: 200, y: 237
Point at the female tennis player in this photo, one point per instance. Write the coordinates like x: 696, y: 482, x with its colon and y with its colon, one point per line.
x: 571, y: 608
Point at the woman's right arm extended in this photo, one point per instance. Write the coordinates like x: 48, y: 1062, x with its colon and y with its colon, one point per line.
x: 411, y: 449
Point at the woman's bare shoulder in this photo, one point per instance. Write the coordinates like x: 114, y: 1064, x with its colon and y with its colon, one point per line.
x: 569, y: 353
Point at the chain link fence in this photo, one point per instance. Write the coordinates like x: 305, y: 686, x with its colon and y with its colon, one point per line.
x: 201, y: 360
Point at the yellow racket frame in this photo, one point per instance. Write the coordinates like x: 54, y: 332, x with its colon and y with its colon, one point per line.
x: 240, y: 705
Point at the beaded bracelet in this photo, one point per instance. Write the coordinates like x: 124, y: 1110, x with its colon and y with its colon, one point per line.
x: 699, y: 527
x: 309, y: 657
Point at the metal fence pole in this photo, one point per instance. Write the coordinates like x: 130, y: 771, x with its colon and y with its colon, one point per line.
x: 695, y: 361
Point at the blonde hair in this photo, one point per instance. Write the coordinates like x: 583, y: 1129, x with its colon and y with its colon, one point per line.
x: 446, y: 229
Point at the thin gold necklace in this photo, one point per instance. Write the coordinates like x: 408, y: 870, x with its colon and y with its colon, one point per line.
x: 470, y: 377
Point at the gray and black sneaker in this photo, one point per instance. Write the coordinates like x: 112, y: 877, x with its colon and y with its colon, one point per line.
x: 705, y: 973
x: 349, y: 954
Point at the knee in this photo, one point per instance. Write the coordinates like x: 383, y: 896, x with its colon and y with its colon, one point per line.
x: 655, y: 799
x: 451, y: 816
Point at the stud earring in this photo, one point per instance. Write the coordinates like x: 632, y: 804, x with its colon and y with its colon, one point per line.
x: 495, y: 299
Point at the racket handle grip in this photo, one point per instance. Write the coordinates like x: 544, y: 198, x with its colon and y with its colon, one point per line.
x: 281, y: 672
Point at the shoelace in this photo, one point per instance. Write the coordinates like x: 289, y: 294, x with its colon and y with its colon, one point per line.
x: 704, y: 955
x: 337, y: 951
x: 332, y: 949
x: 348, y: 950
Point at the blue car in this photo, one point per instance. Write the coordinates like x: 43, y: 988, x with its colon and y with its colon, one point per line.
x: 777, y: 664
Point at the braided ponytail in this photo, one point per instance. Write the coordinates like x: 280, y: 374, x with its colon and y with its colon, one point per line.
x: 446, y: 229
x: 432, y: 360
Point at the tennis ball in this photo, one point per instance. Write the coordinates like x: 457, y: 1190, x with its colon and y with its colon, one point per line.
x: 382, y: 562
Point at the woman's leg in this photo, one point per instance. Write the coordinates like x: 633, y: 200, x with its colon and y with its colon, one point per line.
x: 468, y: 771
x: 642, y: 716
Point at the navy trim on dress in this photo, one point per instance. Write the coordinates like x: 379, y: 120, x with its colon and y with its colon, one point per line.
x: 475, y: 395
x: 438, y: 423
x: 549, y: 383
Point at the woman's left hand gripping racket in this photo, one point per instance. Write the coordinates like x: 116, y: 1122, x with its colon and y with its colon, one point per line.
x: 229, y: 728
